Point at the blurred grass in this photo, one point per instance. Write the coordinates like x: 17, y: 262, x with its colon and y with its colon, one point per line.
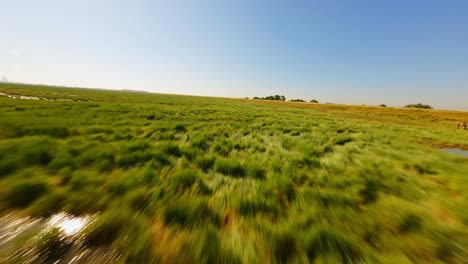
x: 185, y: 179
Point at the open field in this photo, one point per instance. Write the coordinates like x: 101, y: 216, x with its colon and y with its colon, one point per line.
x: 186, y: 179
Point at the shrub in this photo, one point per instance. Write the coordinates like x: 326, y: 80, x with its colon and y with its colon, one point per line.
x: 343, y: 140
x: 205, y: 162
x: 170, y: 149
x: 56, y: 132
x: 186, y: 179
x: 47, y: 204
x: 254, y: 171
x: 23, y: 194
x: 180, y: 128
x: 314, y: 101
x: 272, y: 97
x: 325, y: 241
x: 39, y: 152
x: 52, y: 245
x: 148, y: 176
x: 262, y: 202
x: 63, y: 159
x: 223, y: 148
x: 189, y: 214
x: 410, y: 222
x: 284, y: 247
x: 131, y: 159
x: 370, y: 190
x: 7, y: 166
x: 107, y: 227
x: 208, y: 246
x: 419, y: 105
x: 183, y: 179
x: 230, y: 167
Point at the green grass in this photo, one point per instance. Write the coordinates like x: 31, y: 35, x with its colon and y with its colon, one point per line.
x: 211, y: 180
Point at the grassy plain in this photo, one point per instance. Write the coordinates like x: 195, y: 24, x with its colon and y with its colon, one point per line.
x: 185, y: 179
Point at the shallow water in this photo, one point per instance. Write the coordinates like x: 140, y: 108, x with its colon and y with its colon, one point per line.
x: 455, y: 151
x: 24, y: 97
x: 20, y: 237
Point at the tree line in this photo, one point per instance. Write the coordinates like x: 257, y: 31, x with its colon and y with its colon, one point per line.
x: 272, y: 97
x: 282, y: 98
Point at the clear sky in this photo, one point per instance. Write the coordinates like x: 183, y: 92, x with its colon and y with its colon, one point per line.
x: 394, y: 52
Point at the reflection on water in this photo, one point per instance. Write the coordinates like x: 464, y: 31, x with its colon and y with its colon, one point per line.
x: 70, y: 225
x: 456, y: 151
x: 57, y: 239
x: 24, y: 97
x: 20, y: 96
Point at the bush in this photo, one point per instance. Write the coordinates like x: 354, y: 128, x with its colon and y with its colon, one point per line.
x: 343, y: 140
x: 263, y: 202
x: 23, y: 194
x: 107, y: 227
x: 205, y: 162
x: 325, y: 241
x: 314, y: 101
x: 170, y: 149
x: 410, y: 222
x: 39, y: 152
x: 272, y: 97
x: 184, y: 180
x: 56, y: 132
x: 180, y: 128
x: 7, y: 166
x: 256, y: 172
x: 370, y: 190
x: 284, y: 247
x: 419, y: 105
x: 223, y: 148
x: 131, y: 159
x: 230, y: 167
x: 208, y: 246
x: 190, y: 214
x: 52, y: 245
x: 47, y: 204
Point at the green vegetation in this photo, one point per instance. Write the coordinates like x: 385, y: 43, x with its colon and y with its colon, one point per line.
x: 314, y: 101
x: 208, y: 180
x: 272, y: 98
x: 422, y: 106
x: 297, y: 100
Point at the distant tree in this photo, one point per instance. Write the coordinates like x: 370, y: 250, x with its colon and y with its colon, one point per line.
x: 419, y: 105
x: 272, y: 97
x: 383, y: 105
x: 298, y: 100
x: 314, y: 101
x: 246, y: 98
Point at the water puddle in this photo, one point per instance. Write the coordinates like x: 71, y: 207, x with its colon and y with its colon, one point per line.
x: 455, y: 151
x: 20, y: 96
x: 70, y: 225
x: 57, y: 239
x: 24, y: 97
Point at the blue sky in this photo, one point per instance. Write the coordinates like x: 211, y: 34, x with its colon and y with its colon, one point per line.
x: 358, y: 52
